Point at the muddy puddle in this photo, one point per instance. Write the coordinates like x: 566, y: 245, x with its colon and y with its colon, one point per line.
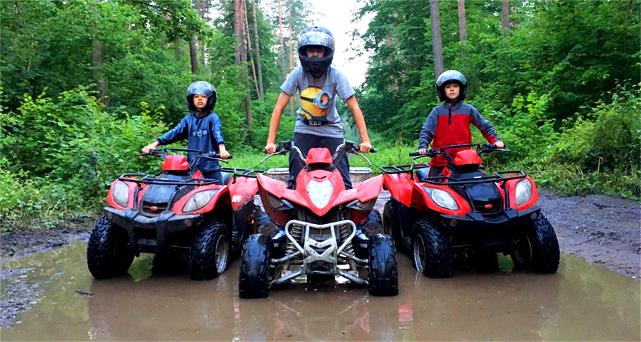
x: 580, y: 302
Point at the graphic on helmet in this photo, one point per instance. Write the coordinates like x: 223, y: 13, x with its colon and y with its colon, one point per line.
x: 315, y: 36
x: 314, y: 104
x: 447, y: 77
x: 204, y: 88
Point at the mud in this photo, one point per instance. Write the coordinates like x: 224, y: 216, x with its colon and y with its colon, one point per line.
x: 598, y: 229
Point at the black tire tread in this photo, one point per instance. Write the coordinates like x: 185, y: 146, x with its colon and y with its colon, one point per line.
x: 107, y: 254
x: 254, y: 267
x: 383, y: 270
x: 202, y: 254
x: 545, y: 247
x: 440, y: 260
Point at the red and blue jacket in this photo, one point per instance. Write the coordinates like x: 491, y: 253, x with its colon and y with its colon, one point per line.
x: 203, y: 133
x: 449, y: 124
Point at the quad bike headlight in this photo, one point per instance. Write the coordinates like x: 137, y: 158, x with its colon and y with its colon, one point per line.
x: 523, y: 191
x: 320, y: 192
x: 442, y: 198
x: 120, y: 193
x: 199, y: 200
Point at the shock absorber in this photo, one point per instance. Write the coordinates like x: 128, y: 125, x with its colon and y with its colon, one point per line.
x: 297, y: 232
x: 345, y: 231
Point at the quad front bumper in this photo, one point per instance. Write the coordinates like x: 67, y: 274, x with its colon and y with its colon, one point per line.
x: 148, y: 234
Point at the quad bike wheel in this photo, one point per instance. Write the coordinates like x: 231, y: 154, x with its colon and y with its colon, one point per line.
x: 538, y: 248
x: 265, y: 226
x: 383, y: 271
x: 209, y: 252
x: 390, y: 224
x: 373, y: 225
x: 254, y: 267
x: 107, y: 252
x: 432, y: 254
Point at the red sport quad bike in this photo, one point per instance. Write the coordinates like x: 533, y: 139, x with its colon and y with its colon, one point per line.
x: 176, y: 214
x: 465, y: 215
x: 318, y: 231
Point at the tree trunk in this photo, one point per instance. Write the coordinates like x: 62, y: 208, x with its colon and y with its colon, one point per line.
x: 281, y: 55
x: 193, y: 55
x: 437, y: 46
x: 97, y: 59
x: 252, y: 53
x: 202, y: 9
x: 259, y: 63
x: 292, y: 111
x: 241, y: 59
x: 505, y: 16
x: 462, y: 30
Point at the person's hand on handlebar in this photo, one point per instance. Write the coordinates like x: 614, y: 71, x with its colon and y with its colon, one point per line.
x: 364, y: 147
x: 499, y: 144
x: 222, y: 151
x: 149, y: 147
x: 422, y: 151
x: 270, y: 148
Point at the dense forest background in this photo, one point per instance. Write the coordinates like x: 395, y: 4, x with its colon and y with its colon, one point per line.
x: 84, y: 84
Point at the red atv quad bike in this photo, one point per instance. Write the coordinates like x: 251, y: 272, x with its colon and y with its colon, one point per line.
x: 319, y: 231
x: 465, y: 215
x: 175, y: 214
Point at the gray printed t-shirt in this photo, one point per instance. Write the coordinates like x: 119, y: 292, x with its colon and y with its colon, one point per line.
x: 334, y: 83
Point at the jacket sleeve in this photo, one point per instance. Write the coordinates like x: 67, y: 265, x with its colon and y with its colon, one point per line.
x: 218, y: 131
x: 427, y: 132
x: 484, y: 126
x: 177, y: 133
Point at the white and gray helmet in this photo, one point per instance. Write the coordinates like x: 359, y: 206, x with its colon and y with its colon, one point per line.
x: 450, y: 76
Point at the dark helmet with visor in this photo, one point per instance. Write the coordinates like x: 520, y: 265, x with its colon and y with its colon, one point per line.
x: 450, y: 76
x: 316, y: 36
x: 205, y: 88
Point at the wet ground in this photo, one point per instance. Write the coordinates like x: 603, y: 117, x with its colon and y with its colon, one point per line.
x: 581, y: 302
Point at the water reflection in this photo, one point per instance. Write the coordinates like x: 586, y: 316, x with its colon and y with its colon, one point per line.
x: 581, y: 302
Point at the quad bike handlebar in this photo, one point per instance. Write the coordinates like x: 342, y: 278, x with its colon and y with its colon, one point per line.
x: 346, y: 147
x: 163, y: 153
x: 481, y: 148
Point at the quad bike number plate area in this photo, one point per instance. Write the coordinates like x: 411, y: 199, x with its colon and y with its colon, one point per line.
x: 61, y: 301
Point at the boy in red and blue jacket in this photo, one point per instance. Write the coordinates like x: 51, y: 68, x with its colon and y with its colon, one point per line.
x: 449, y: 122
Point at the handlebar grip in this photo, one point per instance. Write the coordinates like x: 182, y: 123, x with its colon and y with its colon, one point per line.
x: 415, y: 154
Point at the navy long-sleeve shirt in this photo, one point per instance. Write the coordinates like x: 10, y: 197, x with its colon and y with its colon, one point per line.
x: 202, y: 133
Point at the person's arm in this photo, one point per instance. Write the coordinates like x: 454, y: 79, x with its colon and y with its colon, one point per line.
x: 427, y: 131
x: 177, y: 133
x: 486, y: 128
x: 218, y: 137
x: 274, y: 122
x: 359, y: 120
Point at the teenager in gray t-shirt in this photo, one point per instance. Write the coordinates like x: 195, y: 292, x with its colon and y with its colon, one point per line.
x: 319, y: 85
